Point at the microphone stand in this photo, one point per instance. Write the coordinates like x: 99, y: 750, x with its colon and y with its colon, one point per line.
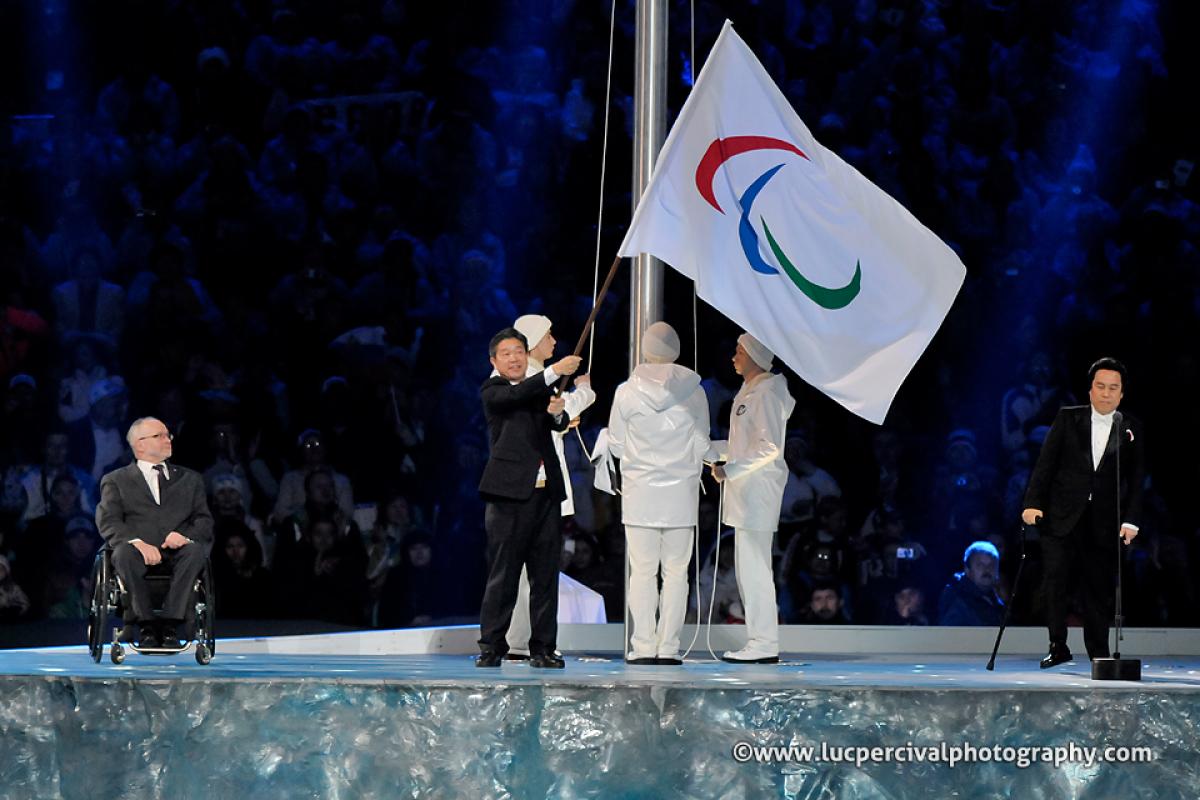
x: 1012, y: 599
x: 1117, y: 668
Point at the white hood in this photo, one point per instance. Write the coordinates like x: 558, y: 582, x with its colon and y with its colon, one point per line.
x: 659, y: 429
x: 661, y: 386
x: 776, y: 384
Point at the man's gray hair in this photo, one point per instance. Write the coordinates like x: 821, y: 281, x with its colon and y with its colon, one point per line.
x: 134, y: 426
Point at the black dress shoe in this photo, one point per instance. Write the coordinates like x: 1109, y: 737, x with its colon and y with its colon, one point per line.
x: 546, y: 661
x: 169, y: 641
x: 149, y: 638
x: 648, y: 661
x: 1059, y: 654
x: 488, y: 660
x: 168, y: 634
x: 668, y: 662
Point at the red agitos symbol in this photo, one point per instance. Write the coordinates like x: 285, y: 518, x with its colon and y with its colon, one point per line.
x: 721, y: 150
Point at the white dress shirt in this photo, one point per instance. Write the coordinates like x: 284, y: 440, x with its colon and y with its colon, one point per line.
x: 1101, y: 428
x: 151, y: 476
x: 549, y: 374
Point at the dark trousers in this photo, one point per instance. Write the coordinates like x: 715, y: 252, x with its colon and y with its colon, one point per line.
x: 183, y: 565
x: 1084, y: 559
x: 521, y: 533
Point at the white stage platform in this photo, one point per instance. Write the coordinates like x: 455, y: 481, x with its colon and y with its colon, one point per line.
x: 407, y: 714
x: 799, y: 639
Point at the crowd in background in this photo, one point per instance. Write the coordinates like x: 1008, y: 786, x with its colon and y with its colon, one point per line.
x: 288, y: 229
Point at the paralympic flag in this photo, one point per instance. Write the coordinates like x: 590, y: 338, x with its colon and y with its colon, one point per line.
x: 791, y: 242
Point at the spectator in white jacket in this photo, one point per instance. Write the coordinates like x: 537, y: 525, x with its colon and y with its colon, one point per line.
x: 659, y: 430
x: 755, y: 475
x: 536, y: 330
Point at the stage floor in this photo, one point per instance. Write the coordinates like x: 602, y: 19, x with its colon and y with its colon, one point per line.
x: 304, y: 725
x: 1163, y: 673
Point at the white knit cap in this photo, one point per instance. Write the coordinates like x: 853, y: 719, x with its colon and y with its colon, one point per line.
x: 660, y: 344
x: 533, y: 327
x: 757, y: 351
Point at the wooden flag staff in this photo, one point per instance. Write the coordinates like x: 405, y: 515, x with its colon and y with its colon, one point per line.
x: 591, y: 320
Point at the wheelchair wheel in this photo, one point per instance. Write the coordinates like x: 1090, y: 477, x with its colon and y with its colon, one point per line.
x: 98, y: 612
x: 205, y: 632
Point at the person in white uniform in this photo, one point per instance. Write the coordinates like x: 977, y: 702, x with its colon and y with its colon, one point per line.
x: 755, y: 474
x: 536, y: 330
x: 659, y: 429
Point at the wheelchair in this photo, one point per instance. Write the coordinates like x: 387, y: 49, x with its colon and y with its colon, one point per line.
x: 110, y: 599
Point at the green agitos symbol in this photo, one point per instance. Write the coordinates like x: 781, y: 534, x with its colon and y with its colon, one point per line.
x: 720, y: 151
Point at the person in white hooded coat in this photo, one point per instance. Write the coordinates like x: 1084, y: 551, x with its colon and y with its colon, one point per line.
x: 659, y: 429
x: 754, y: 476
x: 536, y: 330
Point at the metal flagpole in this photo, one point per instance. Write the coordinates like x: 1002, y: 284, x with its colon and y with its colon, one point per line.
x: 649, y: 131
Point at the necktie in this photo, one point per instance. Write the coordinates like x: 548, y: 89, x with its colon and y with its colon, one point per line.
x: 160, y: 476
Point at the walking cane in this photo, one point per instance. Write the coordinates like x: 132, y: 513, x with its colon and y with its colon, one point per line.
x: 991, y: 665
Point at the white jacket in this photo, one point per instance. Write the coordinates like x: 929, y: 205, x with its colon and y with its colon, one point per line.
x: 659, y: 430
x: 755, y: 470
x: 578, y: 399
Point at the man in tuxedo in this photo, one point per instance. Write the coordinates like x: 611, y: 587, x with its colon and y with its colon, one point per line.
x: 523, y: 489
x: 1086, y: 489
x: 536, y: 330
x: 152, y: 513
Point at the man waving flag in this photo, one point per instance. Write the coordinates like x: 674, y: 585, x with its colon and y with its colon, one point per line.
x: 791, y: 242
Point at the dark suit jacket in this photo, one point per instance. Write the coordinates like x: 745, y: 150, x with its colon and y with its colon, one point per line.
x: 519, y: 438
x: 1063, y: 478
x: 127, y: 510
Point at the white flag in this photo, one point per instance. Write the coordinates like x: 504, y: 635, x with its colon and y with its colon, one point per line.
x: 791, y: 242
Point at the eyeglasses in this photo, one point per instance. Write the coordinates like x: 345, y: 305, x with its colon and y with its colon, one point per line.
x: 163, y: 435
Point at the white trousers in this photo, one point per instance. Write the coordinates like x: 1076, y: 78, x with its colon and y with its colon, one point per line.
x: 649, y: 550
x: 756, y: 584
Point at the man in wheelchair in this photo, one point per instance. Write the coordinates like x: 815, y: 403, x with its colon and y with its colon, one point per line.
x: 154, y: 516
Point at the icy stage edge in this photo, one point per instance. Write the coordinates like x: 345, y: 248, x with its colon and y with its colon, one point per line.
x: 798, y: 639
x: 405, y: 714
